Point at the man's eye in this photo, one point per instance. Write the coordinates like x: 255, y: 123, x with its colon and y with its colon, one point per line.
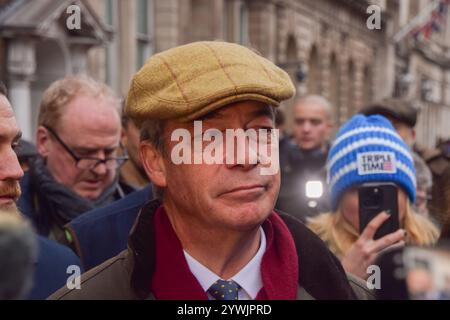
x: 84, y: 154
x: 110, y: 152
x: 268, y: 129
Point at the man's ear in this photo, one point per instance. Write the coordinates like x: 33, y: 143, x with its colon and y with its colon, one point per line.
x: 330, y: 127
x: 153, y: 163
x: 123, y: 137
x: 42, y: 141
x: 413, y: 132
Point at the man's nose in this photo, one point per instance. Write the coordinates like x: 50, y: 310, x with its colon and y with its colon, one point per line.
x: 10, y: 167
x: 306, y: 127
x: 246, y: 157
x: 100, y: 169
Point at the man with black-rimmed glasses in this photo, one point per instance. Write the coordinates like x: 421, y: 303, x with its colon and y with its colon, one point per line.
x: 78, y: 138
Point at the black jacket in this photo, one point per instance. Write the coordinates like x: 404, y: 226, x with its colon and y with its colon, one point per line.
x: 297, y: 167
x: 128, y: 275
x: 102, y: 233
x: 32, y: 205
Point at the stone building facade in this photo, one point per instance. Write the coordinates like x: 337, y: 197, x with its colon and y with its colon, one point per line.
x: 422, y: 70
x: 327, y: 41
x: 37, y: 47
x: 325, y: 45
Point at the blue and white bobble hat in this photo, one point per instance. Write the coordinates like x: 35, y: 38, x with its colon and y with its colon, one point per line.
x: 368, y: 149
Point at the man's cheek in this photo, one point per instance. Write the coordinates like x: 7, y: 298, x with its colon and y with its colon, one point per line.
x: 112, y: 174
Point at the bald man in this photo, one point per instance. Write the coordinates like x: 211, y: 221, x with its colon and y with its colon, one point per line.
x: 302, y: 160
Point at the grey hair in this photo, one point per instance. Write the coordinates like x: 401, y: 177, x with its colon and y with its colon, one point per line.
x: 316, y: 100
x: 423, y: 173
x: 152, y: 132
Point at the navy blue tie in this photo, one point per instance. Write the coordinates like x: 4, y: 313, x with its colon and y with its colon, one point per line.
x: 224, y: 290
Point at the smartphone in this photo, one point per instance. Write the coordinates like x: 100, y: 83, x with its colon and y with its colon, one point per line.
x: 375, y: 198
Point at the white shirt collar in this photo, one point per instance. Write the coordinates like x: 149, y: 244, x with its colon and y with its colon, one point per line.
x: 249, y: 277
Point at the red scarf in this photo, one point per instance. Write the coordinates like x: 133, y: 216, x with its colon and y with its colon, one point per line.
x: 173, y: 280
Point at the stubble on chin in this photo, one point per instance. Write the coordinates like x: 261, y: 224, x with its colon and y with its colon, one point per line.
x: 10, y: 209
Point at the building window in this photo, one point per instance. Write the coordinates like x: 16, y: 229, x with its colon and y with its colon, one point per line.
x: 367, y: 85
x: 243, y: 22
x: 111, y: 21
x: 144, y: 14
x: 201, y: 20
x: 351, y: 89
x: 110, y: 11
x: 335, y: 90
x: 292, y: 62
x: 313, y: 72
x: 414, y: 9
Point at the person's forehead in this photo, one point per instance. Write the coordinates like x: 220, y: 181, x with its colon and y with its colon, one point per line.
x: 8, y: 124
x: 310, y: 110
x: 89, y: 123
x: 249, y: 109
x: 88, y: 104
x: 6, y: 110
x: 85, y: 111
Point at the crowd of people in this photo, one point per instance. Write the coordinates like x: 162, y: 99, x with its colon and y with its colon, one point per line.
x: 99, y: 189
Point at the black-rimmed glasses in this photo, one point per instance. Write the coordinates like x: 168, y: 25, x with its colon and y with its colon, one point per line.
x: 90, y: 163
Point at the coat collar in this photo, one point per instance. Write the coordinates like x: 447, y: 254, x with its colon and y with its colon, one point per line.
x: 321, y: 275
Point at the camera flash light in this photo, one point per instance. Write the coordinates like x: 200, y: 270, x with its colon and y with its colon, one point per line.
x: 314, y: 189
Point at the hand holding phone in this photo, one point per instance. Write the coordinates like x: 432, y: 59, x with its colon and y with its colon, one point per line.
x: 365, y: 250
x: 375, y: 198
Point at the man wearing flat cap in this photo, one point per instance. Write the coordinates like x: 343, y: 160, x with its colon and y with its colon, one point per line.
x: 212, y: 233
x: 431, y: 164
x: 400, y: 112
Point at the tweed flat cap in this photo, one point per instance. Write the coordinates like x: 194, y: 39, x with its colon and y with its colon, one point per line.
x: 402, y: 110
x: 192, y: 80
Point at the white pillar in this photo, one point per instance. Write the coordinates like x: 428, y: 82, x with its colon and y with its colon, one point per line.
x: 79, y: 58
x: 21, y: 64
x: 404, y: 12
x: 19, y: 95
